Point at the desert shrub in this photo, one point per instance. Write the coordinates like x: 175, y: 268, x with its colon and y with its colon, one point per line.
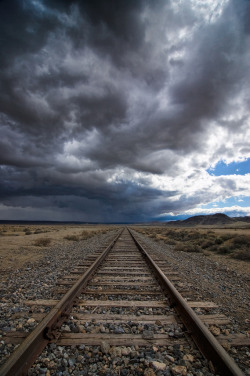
x: 182, y: 235
x: 243, y: 254
x: 240, y: 240
x: 38, y: 231
x: 188, y: 247
x: 218, y: 240
x: 179, y: 247
x: 170, y: 233
x: 224, y: 249
x: 213, y: 248
x: 42, y: 242
x: 171, y: 242
x: 28, y: 232
x: 176, y: 235
x: 207, y: 243
x: 74, y: 238
x: 194, y: 248
x: 226, y: 237
x: 85, y: 234
x: 195, y: 235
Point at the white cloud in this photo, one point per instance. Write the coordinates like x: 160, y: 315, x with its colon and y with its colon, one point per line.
x: 235, y: 210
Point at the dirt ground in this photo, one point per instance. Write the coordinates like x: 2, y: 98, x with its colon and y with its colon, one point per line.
x: 239, y: 266
x: 20, y: 244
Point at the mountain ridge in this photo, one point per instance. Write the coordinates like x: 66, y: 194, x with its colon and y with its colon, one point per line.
x: 209, y: 220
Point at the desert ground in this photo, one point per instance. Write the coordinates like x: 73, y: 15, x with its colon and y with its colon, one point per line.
x: 20, y: 244
x: 227, y: 246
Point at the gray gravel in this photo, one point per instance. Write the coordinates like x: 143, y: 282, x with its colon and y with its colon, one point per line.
x: 133, y: 360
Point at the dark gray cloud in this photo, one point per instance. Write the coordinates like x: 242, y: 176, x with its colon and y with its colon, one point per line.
x: 116, y: 109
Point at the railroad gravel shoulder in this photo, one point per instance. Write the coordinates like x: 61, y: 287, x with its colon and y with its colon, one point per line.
x: 212, y: 280
x: 37, y: 280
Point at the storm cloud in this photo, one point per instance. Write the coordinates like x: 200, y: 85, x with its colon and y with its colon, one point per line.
x: 115, y: 110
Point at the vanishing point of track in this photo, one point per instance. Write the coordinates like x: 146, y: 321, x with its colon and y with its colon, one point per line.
x: 127, y: 273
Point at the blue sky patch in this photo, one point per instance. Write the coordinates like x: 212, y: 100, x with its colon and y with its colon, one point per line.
x: 234, y: 168
x: 231, y: 202
x: 243, y: 201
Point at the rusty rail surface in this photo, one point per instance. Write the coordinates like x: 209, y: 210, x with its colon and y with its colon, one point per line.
x: 25, y: 355
x: 203, y: 338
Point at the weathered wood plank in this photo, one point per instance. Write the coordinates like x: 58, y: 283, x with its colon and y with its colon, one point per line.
x: 117, y: 340
x: 117, y: 283
x: 41, y: 302
x: 214, y: 319
x: 121, y: 342
x: 120, y: 292
x: 204, y: 304
x: 114, y: 318
x: 163, y: 319
x: 100, y: 272
x: 123, y: 303
x: 123, y: 267
x: 235, y: 340
x: 123, y: 278
x: 113, y: 268
x: 119, y: 303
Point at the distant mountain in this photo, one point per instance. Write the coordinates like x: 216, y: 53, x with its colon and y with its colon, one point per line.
x: 242, y: 219
x: 217, y: 219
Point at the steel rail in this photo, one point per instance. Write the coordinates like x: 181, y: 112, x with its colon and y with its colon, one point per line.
x: 203, y: 338
x: 24, y: 356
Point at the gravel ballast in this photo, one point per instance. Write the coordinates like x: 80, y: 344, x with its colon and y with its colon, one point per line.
x: 36, y: 281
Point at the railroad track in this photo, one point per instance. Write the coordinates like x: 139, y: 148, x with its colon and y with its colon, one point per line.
x: 121, y: 301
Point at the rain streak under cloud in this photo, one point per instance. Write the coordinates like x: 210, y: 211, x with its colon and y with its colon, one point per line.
x: 124, y: 110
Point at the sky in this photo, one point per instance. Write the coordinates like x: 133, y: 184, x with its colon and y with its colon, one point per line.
x: 124, y: 110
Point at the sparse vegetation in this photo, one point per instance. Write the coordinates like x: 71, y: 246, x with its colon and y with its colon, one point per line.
x: 201, y: 240
x: 42, y: 242
x: 37, y: 231
x: 17, y: 249
x: 74, y: 238
x: 243, y: 254
x: 85, y: 234
x: 82, y: 236
x: 188, y: 247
